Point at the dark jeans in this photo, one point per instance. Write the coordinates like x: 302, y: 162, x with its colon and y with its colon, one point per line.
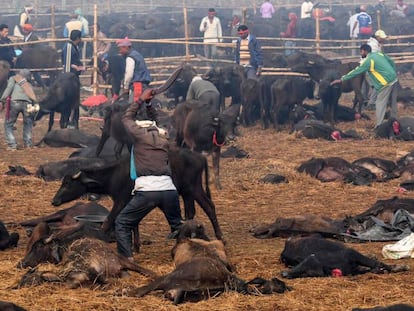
x: 17, y: 107
x: 140, y: 205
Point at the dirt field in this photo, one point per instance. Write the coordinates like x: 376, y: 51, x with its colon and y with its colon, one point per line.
x: 242, y: 204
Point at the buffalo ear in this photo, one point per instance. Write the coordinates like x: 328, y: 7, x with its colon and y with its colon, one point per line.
x: 76, y: 175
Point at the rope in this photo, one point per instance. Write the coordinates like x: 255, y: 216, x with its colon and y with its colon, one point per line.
x: 215, y: 140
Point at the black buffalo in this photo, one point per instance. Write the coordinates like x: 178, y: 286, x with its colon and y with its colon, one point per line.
x: 289, y: 93
x: 9, y: 306
x: 63, y: 97
x: 317, y: 257
x: 228, y: 80
x: 201, y: 128
x: 186, y: 167
x: 329, y: 95
x: 317, y: 67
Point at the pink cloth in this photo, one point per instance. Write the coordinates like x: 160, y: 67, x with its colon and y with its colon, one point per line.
x: 267, y: 10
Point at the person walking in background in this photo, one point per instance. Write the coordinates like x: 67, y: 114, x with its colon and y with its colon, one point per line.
x: 24, y: 18
x: 137, y: 76
x: 267, y: 10
x: 19, y: 97
x: 353, y: 31
x: 211, y: 27
x: 70, y: 54
x: 249, y: 53
x: 382, y: 73
x: 364, y: 22
x: 290, y: 32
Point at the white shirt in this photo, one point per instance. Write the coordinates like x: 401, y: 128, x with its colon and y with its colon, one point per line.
x: 129, y: 71
x: 212, y: 33
x: 306, y: 7
x: 351, y: 23
x: 374, y: 44
x: 153, y: 183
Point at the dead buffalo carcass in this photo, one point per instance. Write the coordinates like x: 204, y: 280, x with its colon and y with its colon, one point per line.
x: 88, y: 261
x: 385, y: 209
x: 202, y: 269
x: 396, y: 307
x: 301, y: 225
x: 9, y: 306
x: 318, y: 257
x: 44, y: 246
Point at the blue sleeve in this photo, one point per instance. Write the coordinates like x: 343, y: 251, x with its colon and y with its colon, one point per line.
x: 65, y: 32
x: 258, y: 53
x: 237, y: 56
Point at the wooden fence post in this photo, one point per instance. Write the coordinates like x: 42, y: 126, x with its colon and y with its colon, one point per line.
x: 95, y: 50
x: 379, y: 19
x: 187, y: 49
x: 53, y: 26
x: 317, y: 30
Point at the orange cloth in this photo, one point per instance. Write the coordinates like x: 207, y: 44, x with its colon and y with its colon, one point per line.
x: 137, y: 90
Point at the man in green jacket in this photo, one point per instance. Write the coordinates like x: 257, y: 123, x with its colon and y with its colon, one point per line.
x: 381, y: 70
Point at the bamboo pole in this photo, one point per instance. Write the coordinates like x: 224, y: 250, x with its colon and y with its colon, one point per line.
x: 379, y: 19
x: 95, y: 50
x: 244, y: 16
x: 318, y: 34
x: 52, y: 25
x: 108, y: 5
x: 187, y: 48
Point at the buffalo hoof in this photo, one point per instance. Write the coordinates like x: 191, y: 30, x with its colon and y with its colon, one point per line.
x: 286, y: 274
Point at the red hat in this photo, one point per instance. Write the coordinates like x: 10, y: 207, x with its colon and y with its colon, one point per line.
x: 123, y: 42
x: 28, y: 27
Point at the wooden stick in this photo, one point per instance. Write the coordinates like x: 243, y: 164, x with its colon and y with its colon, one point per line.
x: 95, y: 50
x: 187, y: 49
x: 52, y: 24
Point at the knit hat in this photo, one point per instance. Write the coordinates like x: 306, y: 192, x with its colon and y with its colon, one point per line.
x: 123, y: 42
x: 381, y: 34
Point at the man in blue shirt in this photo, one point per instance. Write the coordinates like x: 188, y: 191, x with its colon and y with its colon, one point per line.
x: 70, y: 54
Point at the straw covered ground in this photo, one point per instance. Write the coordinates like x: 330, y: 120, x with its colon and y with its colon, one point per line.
x: 243, y: 203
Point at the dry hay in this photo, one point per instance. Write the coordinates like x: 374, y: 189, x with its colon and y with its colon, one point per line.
x: 243, y: 203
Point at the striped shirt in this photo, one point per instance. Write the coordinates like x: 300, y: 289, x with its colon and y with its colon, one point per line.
x: 244, y: 52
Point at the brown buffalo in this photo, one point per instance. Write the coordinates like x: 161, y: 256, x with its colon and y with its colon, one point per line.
x: 89, y: 261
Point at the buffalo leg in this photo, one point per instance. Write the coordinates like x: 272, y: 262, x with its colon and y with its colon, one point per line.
x: 309, y: 267
x: 208, y: 207
x: 364, y: 261
x: 216, y: 167
x: 51, y: 120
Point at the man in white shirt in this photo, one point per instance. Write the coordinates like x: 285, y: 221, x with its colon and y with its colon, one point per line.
x: 211, y: 27
x: 306, y: 9
x: 353, y: 31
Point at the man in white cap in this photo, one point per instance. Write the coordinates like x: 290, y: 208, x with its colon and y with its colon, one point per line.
x: 375, y: 42
x: 137, y: 76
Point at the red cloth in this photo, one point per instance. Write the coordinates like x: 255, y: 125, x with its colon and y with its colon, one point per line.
x: 95, y: 100
x: 137, y: 90
x: 291, y: 27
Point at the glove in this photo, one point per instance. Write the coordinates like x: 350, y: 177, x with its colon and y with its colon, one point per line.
x: 147, y: 95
